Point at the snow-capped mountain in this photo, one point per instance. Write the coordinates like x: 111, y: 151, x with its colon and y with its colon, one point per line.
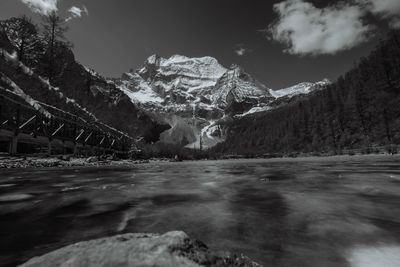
x: 173, y: 81
x: 193, y: 94
x: 183, y: 84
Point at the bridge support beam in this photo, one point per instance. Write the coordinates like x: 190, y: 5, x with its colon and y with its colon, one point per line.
x: 75, y: 149
x: 49, y: 148
x: 13, y: 148
x: 64, y: 146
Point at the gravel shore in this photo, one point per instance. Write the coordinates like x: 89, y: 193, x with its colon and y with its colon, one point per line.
x: 62, y: 161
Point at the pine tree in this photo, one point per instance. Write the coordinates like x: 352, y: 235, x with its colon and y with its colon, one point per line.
x: 54, y: 30
x: 23, y: 35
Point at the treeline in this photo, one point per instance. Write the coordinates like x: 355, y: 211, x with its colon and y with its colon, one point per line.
x: 42, y: 49
x: 38, y: 47
x: 361, y: 110
x: 171, y: 151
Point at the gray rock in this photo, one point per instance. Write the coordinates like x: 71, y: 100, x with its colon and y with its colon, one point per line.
x: 92, y: 159
x: 172, y: 249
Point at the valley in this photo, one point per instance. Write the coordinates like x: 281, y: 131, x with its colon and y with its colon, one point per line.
x: 180, y: 105
x: 133, y: 131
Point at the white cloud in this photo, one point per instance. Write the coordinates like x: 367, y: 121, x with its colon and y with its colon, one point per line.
x: 43, y: 7
x: 306, y: 29
x: 76, y: 12
x: 387, y: 9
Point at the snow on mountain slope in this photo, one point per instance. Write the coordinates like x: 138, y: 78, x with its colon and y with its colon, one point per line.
x: 193, y: 94
x: 253, y: 110
x: 203, y: 69
x: 182, y: 84
x: 301, y: 88
x: 181, y: 74
x: 185, y: 84
x: 177, y: 84
x: 237, y: 86
x: 138, y: 90
x: 12, y: 59
x: 19, y: 92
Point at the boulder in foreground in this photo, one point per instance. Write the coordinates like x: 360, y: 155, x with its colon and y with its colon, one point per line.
x: 172, y: 249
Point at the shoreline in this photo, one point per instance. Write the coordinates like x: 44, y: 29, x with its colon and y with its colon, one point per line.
x: 57, y: 162
x: 330, y: 157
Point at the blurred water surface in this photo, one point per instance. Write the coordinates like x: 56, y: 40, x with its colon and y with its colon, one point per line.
x: 283, y: 212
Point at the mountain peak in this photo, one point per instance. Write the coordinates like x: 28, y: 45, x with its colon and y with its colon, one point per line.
x: 152, y: 60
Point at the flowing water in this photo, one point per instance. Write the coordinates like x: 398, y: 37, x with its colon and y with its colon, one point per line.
x: 284, y: 212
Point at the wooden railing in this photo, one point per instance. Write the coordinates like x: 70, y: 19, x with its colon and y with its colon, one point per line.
x: 21, y: 121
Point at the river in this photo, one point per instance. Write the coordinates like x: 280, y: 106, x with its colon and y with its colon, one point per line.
x: 342, y: 211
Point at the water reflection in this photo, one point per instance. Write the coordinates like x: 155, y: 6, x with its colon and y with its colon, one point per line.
x: 279, y: 212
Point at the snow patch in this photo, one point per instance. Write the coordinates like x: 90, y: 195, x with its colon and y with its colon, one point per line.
x: 19, y: 92
x: 299, y: 89
x: 254, y: 110
x: 38, y: 105
x: 14, y: 59
x: 92, y: 72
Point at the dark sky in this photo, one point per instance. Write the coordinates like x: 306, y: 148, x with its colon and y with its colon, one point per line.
x: 120, y: 34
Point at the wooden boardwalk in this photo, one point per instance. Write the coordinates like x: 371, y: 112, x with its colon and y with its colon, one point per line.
x: 53, y: 131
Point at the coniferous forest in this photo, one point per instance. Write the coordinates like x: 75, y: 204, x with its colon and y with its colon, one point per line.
x: 360, y: 111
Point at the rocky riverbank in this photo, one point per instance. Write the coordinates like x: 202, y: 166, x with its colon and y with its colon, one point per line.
x: 173, y: 249
x: 7, y: 162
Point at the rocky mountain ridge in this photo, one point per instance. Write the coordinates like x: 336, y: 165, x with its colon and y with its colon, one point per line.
x: 193, y: 94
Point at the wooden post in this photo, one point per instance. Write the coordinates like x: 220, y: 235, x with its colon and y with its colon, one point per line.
x: 106, y: 141
x: 14, y: 145
x: 93, y: 144
x: 64, y: 147
x: 10, y: 147
x: 76, y: 149
x: 36, y: 125
x: 49, y: 148
x: 102, y: 145
x: 1, y: 111
x: 14, y: 140
x: 64, y: 137
x: 74, y: 136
